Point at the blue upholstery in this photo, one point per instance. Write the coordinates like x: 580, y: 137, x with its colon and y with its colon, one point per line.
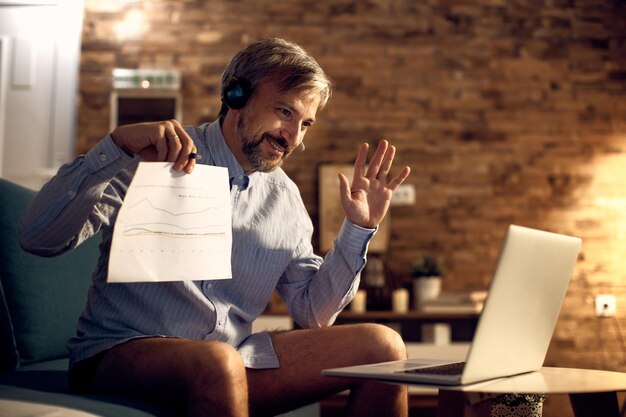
x: 42, y: 296
x: 46, y: 383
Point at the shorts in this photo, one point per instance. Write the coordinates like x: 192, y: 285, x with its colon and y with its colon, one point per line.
x: 81, y: 375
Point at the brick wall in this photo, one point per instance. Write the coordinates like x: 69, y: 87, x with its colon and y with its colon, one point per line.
x: 507, y: 112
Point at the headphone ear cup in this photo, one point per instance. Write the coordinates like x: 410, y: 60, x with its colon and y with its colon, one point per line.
x: 237, y: 93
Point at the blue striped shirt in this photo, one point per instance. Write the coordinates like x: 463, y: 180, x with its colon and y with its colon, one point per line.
x: 271, y: 250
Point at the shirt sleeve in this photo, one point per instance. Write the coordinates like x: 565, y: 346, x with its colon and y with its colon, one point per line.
x: 316, y: 290
x: 74, y: 204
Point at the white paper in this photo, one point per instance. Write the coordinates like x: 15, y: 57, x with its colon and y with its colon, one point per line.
x: 173, y: 226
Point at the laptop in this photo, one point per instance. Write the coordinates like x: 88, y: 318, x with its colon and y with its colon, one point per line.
x: 517, y: 321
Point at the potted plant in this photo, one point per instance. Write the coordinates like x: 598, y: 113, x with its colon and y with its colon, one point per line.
x: 427, y: 273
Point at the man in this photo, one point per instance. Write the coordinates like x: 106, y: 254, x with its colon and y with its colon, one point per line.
x: 190, y: 342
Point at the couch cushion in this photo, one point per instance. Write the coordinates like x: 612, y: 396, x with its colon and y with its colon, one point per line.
x: 46, y: 383
x: 44, y: 296
x: 8, y: 350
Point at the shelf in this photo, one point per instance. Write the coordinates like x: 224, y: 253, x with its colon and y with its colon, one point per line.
x: 410, y: 324
x: 409, y: 315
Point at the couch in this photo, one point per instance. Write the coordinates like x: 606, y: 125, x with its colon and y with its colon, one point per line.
x: 40, y: 302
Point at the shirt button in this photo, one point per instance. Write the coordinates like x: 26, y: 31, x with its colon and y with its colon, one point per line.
x: 71, y: 193
x: 221, y: 322
x: 103, y: 157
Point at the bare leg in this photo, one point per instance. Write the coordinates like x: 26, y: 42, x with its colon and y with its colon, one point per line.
x: 304, y: 353
x: 200, y: 377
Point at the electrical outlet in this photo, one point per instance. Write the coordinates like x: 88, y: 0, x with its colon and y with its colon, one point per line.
x: 605, y: 305
x: 404, y: 195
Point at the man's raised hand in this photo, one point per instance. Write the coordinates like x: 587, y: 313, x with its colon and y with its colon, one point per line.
x: 367, y: 200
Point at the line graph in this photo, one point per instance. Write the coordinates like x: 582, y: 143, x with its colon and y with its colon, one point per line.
x: 165, y: 229
x: 147, y: 201
x: 188, y: 222
x: 173, y: 226
x: 149, y: 232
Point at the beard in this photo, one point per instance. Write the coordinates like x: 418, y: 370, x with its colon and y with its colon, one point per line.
x: 252, y: 147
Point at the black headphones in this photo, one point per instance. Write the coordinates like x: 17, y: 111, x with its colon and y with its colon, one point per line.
x: 237, y: 93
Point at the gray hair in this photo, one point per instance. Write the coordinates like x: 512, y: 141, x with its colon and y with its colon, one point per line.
x: 281, y: 61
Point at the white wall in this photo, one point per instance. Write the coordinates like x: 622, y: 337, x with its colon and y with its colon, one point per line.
x: 39, y: 63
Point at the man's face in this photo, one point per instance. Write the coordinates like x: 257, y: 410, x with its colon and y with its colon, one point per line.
x: 273, y: 124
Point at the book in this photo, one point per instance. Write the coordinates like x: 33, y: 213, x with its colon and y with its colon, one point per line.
x: 456, y: 302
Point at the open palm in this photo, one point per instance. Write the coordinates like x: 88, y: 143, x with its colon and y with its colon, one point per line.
x: 367, y: 200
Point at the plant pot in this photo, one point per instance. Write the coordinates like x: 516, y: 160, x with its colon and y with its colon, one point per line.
x: 426, y: 289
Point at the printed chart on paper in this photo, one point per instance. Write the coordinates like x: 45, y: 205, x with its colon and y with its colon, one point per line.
x: 173, y: 226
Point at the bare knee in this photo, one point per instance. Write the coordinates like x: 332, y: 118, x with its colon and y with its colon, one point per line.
x: 215, y: 379
x: 210, y: 378
x: 381, y: 343
x: 211, y: 363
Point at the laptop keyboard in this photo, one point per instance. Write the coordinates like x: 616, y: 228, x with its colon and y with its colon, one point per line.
x: 447, y: 369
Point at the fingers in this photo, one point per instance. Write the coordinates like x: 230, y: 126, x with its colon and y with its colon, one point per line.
x: 179, y: 147
x: 344, y: 189
x: 386, y: 163
x: 361, y: 159
x: 399, y: 179
x: 379, y: 156
x: 162, y: 146
x: 174, y: 145
x: 381, y: 163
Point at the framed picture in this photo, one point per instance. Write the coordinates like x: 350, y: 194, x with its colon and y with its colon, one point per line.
x: 331, y: 214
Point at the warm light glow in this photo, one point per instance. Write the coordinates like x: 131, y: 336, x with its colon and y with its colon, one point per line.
x: 133, y: 26
x: 609, y: 189
x: 612, y: 203
x: 601, y: 216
